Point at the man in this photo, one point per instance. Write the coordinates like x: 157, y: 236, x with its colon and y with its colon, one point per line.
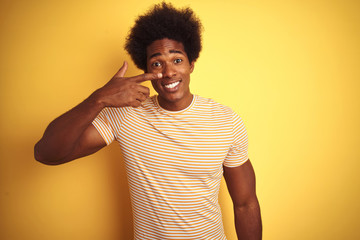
x: 176, y: 145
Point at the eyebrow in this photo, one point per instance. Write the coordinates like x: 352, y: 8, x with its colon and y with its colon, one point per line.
x: 171, y: 51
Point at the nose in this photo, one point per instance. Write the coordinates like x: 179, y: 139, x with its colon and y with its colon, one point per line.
x: 169, y: 71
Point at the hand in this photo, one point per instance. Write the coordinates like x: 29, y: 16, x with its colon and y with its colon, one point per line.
x: 123, y: 91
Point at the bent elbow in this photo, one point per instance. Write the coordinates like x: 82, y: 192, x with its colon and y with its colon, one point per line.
x: 40, y: 157
x: 47, y: 162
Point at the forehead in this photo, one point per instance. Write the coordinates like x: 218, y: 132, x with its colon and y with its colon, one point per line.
x: 164, y: 47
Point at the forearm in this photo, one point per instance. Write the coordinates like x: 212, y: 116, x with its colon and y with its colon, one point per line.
x: 62, y: 134
x: 248, y: 221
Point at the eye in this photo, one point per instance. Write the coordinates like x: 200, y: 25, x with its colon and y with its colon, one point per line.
x: 156, y: 64
x: 178, y: 60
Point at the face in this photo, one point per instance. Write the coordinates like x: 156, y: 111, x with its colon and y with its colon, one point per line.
x: 169, y: 58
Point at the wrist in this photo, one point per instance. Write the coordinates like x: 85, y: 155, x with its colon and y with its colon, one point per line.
x: 96, y: 101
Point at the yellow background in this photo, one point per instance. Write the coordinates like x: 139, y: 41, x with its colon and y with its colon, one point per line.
x: 291, y: 69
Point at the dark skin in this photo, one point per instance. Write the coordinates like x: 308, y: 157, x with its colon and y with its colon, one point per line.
x: 73, y: 136
x: 240, y: 182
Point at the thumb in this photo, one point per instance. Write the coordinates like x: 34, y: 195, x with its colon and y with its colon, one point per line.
x: 122, y: 70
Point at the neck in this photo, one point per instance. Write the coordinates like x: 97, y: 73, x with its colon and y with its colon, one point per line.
x: 176, y: 105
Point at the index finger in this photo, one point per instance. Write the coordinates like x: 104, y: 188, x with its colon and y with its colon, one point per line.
x: 146, y: 77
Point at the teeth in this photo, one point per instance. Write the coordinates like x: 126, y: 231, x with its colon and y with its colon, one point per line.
x: 172, y: 85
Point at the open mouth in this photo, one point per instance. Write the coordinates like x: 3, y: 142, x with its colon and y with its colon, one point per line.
x: 171, y: 85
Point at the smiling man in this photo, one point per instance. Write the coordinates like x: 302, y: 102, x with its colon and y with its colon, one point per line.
x: 168, y: 57
x: 176, y: 145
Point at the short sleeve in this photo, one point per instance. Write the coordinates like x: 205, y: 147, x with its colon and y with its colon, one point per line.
x: 103, y: 126
x: 238, y: 152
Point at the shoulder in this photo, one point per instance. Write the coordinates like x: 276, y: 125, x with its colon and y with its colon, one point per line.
x: 212, y: 105
x: 123, y: 111
x: 115, y: 111
x: 218, y: 111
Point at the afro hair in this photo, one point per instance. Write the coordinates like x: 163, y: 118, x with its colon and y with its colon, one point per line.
x: 164, y: 21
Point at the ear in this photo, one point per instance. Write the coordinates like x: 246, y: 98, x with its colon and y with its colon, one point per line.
x: 192, y: 65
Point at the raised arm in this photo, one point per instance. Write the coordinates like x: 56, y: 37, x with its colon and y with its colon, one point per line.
x: 72, y: 135
x: 241, y: 185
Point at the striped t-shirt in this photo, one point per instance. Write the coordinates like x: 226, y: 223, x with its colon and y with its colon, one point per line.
x: 174, y: 162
